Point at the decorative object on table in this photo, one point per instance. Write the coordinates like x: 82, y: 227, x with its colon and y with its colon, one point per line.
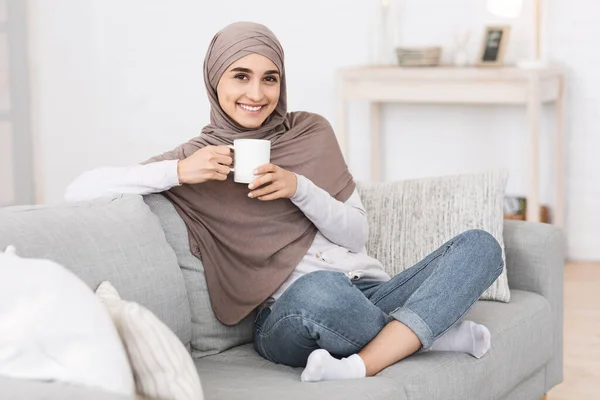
x: 493, y: 45
x: 505, y: 8
x: 384, y: 34
x: 515, y: 207
x: 419, y: 56
x: 513, y: 9
x: 460, y: 56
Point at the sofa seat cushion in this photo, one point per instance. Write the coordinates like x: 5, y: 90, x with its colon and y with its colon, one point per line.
x: 241, y: 374
x: 19, y: 389
x: 521, y: 345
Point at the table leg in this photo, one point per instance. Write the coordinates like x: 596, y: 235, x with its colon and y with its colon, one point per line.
x: 559, y: 151
x: 376, y: 155
x: 534, y: 111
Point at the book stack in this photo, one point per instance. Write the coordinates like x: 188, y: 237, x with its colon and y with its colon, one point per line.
x: 419, y: 56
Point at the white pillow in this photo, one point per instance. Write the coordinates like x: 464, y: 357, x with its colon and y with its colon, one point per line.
x: 409, y: 219
x: 162, y: 367
x: 53, y: 328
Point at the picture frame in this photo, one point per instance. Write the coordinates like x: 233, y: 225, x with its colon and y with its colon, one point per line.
x: 493, y: 45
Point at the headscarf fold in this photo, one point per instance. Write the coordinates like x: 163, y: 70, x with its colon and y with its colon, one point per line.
x: 249, y: 247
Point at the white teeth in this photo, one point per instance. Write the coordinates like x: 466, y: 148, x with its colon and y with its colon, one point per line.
x: 245, y: 107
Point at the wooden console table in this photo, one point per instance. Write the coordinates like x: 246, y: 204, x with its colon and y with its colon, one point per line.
x: 447, y: 85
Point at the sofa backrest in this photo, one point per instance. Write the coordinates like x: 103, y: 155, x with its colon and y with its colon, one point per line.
x: 115, y: 239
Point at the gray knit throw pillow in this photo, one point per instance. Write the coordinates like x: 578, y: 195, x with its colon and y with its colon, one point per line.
x: 410, y: 219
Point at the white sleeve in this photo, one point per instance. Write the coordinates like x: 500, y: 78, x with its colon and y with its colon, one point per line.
x: 136, y: 179
x: 344, y: 224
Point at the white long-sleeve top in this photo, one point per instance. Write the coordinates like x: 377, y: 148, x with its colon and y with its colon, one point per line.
x: 342, y: 226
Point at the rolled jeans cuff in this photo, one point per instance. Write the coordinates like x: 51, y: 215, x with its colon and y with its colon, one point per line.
x: 416, y: 324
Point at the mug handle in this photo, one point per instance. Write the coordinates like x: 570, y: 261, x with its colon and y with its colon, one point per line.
x: 231, y: 169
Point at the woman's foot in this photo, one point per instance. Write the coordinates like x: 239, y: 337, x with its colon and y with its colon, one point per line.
x: 321, y: 366
x: 465, y: 337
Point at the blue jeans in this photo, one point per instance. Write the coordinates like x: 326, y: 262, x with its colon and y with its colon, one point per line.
x: 327, y: 310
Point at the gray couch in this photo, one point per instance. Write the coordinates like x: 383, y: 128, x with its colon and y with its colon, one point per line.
x: 141, y: 246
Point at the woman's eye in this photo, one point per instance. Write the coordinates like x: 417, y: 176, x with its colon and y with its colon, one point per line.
x: 241, y: 76
x: 271, y: 79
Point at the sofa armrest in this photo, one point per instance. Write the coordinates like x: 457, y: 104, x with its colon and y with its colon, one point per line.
x: 535, y: 262
x: 19, y: 389
x: 535, y: 258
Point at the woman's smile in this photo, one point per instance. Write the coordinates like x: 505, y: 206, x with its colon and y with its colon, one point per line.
x: 251, y: 109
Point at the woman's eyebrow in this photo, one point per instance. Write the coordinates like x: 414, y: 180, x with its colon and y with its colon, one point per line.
x: 249, y: 71
x: 241, y: 69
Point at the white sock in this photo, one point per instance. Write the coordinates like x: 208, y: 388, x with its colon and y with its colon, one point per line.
x: 465, y: 337
x: 321, y: 366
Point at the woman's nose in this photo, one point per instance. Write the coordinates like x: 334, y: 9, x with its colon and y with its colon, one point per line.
x: 255, y: 92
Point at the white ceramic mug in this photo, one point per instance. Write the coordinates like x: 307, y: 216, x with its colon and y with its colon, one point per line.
x: 249, y: 154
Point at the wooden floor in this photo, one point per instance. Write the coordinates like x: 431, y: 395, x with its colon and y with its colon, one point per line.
x: 582, y: 334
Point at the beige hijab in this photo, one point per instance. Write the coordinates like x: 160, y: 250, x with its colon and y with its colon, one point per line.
x: 249, y: 247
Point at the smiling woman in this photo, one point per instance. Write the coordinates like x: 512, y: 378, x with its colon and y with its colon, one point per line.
x: 291, y: 244
x: 249, y: 90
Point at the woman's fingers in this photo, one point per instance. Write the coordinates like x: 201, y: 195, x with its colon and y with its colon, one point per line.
x: 217, y: 176
x: 263, y: 191
x: 269, y: 186
x: 273, y: 196
x: 264, y: 169
x: 222, y: 169
x: 224, y: 160
x: 222, y: 150
x: 263, y: 180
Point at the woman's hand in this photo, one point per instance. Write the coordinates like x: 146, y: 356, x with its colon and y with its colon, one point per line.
x: 210, y: 163
x: 276, y: 183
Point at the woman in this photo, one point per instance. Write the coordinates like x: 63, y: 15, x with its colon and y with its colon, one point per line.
x: 292, y: 242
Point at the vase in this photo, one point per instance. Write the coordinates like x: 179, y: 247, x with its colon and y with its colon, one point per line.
x: 460, y: 56
x: 384, y: 30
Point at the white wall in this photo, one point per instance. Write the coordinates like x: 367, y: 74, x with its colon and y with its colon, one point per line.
x: 119, y: 81
x: 6, y: 137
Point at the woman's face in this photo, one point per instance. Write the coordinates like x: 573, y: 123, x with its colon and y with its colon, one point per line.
x: 249, y: 90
